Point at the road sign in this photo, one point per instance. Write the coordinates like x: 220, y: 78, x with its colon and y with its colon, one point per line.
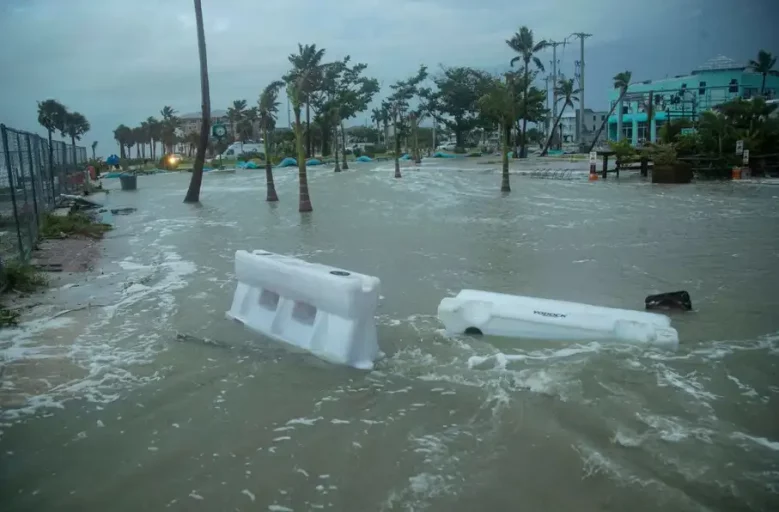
x: 218, y: 131
x: 593, y: 157
x: 739, y: 147
x: 745, y: 161
x: 688, y: 131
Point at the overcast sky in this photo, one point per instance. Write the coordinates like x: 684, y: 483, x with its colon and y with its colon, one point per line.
x: 119, y: 61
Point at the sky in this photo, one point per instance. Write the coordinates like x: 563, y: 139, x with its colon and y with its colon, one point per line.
x: 120, y: 62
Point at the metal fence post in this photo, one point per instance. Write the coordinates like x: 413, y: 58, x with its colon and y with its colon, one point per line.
x: 24, y: 188
x: 7, y: 156
x: 33, y: 182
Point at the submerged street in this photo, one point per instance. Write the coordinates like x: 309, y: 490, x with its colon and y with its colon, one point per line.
x: 151, y: 399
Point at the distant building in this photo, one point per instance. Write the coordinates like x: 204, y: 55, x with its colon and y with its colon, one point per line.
x: 192, y: 122
x: 569, y: 124
x: 685, y: 96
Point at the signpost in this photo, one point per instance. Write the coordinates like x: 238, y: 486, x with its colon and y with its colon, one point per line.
x: 745, y: 159
x: 218, y: 131
x: 739, y: 147
x: 593, y: 162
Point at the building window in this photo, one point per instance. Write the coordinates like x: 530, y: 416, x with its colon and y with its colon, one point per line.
x: 594, y: 118
x: 733, y: 87
x: 702, y: 88
x: 603, y: 117
x: 643, y: 131
x: 626, y: 109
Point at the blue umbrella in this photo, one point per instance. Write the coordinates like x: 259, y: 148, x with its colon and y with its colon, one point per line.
x: 112, y: 160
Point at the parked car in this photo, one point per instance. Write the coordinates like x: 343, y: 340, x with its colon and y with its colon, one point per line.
x: 446, y: 146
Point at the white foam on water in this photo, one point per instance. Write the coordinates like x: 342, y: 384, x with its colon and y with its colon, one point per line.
x: 673, y: 430
x: 279, y: 508
x: 689, y: 383
x: 762, y: 441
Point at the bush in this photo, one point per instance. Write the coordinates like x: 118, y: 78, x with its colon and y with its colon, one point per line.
x: 55, y: 226
x: 623, y: 151
x: 357, y: 152
x: 663, y: 155
x: 20, y: 277
x: 248, y: 155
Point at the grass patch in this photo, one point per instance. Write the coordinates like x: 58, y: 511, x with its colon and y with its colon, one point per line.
x: 76, y: 223
x: 20, y: 277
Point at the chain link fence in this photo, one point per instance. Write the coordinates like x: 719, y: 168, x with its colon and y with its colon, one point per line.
x: 32, y: 177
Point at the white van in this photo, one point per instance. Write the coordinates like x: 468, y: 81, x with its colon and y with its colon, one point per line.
x: 236, y: 148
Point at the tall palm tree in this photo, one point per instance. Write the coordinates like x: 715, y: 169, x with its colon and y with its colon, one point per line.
x: 51, y: 115
x: 76, y: 125
x: 168, y: 128
x: 565, y: 94
x: 294, y: 91
x: 193, y: 192
x: 252, y: 115
x: 376, y: 117
x: 621, y: 82
x: 154, y: 135
x: 268, y: 109
x: 234, y: 115
x: 498, y: 105
x: 764, y: 64
x: 307, y: 63
x: 121, y: 136
x: 94, y: 147
x: 522, y: 42
x: 146, y: 137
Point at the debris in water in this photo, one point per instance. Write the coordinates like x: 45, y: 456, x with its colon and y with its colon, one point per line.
x: 248, y: 493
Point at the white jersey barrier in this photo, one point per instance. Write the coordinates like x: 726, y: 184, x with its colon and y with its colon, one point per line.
x: 324, y: 310
x: 498, y: 314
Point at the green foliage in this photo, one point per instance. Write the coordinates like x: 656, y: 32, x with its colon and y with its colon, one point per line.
x: 75, y: 223
x: 670, y: 131
x: 20, y: 277
x: 456, y: 102
x: 623, y: 150
x: 51, y: 115
x: 8, y: 318
x: 248, y: 155
x: 663, y: 155
x: 688, y: 144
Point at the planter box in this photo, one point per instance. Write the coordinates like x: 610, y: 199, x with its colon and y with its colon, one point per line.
x: 678, y: 173
x: 128, y: 181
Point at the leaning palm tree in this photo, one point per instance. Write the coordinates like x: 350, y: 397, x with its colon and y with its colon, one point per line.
x: 94, y: 147
x: 565, y: 94
x: 51, y: 115
x: 307, y: 63
x: 193, y: 192
x: 621, y: 82
x: 76, y: 125
x: 522, y: 42
x: 268, y: 109
x: 499, y: 106
x: 295, y: 94
x: 764, y: 64
x: 120, y: 136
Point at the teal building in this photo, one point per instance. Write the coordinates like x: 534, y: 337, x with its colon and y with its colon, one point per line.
x: 685, y: 96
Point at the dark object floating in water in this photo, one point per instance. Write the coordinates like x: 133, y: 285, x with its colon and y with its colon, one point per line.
x: 672, y: 300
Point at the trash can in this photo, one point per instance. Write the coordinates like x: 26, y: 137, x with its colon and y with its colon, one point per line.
x: 128, y: 181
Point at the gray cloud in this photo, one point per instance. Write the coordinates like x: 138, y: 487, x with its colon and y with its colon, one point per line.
x: 119, y: 62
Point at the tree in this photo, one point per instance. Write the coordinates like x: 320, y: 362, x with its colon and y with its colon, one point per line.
x: 397, y: 105
x: 94, y: 147
x: 268, y: 109
x: 168, y: 128
x: 377, y: 116
x: 76, y: 125
x: 522, y: 42
x: 764, y: 64
x: 122, y: 135
x: 455, y: 103
x: 307, y: 63
x: 51, y: 115
x: 499, y: 106
x: 295, y: 93
x: 565, y: 94
x: 193, y: 192
x: 234, y: 115
x: 621, y: 82
x: 353, y: 94
x: 155, y: 134
x: 252, y: 115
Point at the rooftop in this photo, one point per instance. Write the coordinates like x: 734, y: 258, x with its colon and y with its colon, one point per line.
x: 719, y: 63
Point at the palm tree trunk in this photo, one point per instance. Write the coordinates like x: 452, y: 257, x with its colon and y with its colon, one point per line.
x: 308, y: 130
x: 397, y: 149
x: 73, y: 140
x: 417, y: 156
x: 505, y: 186
x: 605, y: 121
x: 554, y: 128
x: 619, y: 118
x: 193, y: 193
x: 271, y: 195
x: 762, y: 87
x: 305, y: 200
x: 522, y: 141
x: 335, y: 147
x: 345, y: 166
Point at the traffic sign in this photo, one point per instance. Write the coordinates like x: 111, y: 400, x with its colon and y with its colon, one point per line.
x: 593, y: 157
x: 739, y: 147
x: 745, y: 160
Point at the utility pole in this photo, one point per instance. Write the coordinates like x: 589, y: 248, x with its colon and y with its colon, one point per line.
x: 582, y: 36
x: 554, y: 45
x: 548, y: 124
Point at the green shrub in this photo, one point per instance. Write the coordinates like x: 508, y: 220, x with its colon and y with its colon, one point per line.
x: 663, y: 155
x: 20, y: 277
x: 8, y: 318
x: 460, y: 150
x: 623, y: 150
x: 77, y: 223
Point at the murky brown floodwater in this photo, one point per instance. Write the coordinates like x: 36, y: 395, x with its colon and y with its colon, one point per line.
x: 109, y: 410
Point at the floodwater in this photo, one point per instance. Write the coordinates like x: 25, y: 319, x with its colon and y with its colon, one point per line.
x: 150, y: 399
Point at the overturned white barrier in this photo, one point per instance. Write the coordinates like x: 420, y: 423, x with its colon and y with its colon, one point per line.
x: 324, y: 310
x: 498, y: 314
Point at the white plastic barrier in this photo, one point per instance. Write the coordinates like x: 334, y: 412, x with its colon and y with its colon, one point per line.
x: 324, y: 310
x: 498, y: 314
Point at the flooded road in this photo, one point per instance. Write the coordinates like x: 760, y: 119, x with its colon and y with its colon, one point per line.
x: 150, y: 399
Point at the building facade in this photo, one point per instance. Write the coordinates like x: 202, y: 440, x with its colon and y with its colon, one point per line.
x: 191, y: 122
x: 685, y: 96
x: 569, y: 124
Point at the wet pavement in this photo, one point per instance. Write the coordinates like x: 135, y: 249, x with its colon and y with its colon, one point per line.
x: 130, y: 390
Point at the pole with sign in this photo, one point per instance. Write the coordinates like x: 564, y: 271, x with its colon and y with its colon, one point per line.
x: 745, y: 159
x: 739, y: 147
x: 593, y: 162
x: 218, y: 131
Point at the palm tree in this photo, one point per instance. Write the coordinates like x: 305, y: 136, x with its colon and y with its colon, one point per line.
x: 268, y: 109
x: 121, y: 136
x: 154, y: 135
x: 498, y: 105
x: 193, y: 192
x: 764, y: 64
x: 522, y: 42
x: 565, y: 94
x: 235, y: 114
x: 295, y: 94
x: 76, y: 125
x: 252, y: 115
x: 51, y: 115
x: 94, y: 147
x: 307, y: 63
x: 168, y: 127
x: 621, y: 82
x: 376, y: 117
x: 716, y: 125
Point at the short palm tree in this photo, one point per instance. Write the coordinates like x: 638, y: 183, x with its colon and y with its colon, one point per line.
x: 523, y: 43
x: 267, y: 110
x: 499, y: 105
x: 764, y: 64
x: 94, y: 147
x: 307, y: 64
x: 121, y: 136
x: 621, y: 82
x: 566, y: 95
x: 76, y: 125
x: 168, y: 128
x: 51, y: 115
x: 295, y: 94
x: 235, y: 113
